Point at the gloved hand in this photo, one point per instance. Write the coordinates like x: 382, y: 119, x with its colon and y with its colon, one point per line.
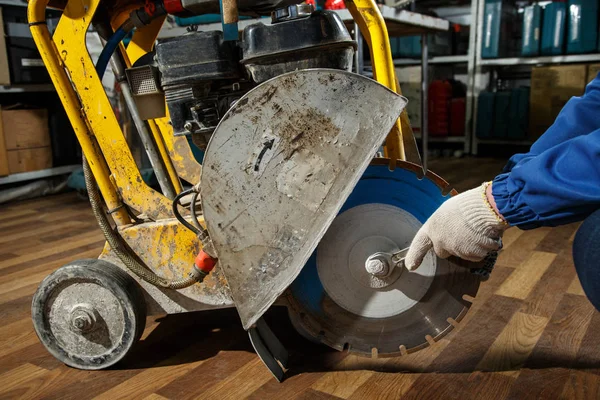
x: 466, y: 226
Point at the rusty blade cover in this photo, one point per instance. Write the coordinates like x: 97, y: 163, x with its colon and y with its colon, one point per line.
x: 277, y: 170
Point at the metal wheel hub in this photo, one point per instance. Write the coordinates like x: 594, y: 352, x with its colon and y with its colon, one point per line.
x: 86, y: 318
x: 83, y: 318
x: 89, y: 313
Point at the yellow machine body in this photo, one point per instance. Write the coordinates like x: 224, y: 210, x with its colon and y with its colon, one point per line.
x: 163, y: 244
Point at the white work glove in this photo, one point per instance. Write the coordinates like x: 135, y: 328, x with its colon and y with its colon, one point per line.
x: 465, y: 226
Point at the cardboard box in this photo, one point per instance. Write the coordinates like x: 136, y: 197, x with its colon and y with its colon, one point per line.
x: 412, y: 91
x: 25, y: 129
x: 593, y: 70
x: 24, y: 141
x: 3, y: 156
x: 551, y: 88
x: 27, y: 160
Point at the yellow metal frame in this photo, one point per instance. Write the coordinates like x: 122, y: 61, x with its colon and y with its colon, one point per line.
x: 71, y: 69
x: 372, y: 27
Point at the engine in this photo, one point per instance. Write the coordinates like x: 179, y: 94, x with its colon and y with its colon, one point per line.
x: 202, y: 75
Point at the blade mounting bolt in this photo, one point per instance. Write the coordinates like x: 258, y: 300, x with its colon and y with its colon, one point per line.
x: 377, y: 267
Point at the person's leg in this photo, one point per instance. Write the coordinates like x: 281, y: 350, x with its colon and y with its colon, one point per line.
x: 586, y: 256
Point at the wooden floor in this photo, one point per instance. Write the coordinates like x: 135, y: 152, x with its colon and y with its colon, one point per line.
x: 531, y: 333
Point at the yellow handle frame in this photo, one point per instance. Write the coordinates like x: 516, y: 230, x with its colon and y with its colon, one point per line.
x: 372, y: 27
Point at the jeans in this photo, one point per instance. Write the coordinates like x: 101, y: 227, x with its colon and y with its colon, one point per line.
x: 586, y: 256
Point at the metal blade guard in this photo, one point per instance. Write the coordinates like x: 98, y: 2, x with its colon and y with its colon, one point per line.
x: 279, y: 167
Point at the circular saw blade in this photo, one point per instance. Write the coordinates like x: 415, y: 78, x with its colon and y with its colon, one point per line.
x: 330, y: 302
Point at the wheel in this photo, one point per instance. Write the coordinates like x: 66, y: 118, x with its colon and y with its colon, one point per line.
x: 89, y: 314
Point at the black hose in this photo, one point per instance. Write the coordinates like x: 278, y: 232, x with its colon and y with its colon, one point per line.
x: 195, y: 221
x: 178, y: 215
x: 110, y: 47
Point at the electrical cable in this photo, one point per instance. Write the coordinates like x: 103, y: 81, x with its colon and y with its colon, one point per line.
x: 178, y: 215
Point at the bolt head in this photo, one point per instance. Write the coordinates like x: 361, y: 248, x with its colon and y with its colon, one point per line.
x: 376, y: 267
x: 81, y: 322
x: 83, y: 318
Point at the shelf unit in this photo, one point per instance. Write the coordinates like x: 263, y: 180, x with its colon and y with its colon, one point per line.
x: 27, y: 88
x: 563, y: 59
x: 505, y: 142
x: 13, y: 3
x: 433, y: 60
x: 468, y: 59
x: 30, y: 88
x: 401, y: 62
x: 483, y: 66
x: 44, y: 173
x: 444, y: 139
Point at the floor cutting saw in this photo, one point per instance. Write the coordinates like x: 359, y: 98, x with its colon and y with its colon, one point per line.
x: 309, y: 192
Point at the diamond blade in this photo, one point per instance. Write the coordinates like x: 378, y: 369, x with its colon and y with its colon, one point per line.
x: 333, y: 302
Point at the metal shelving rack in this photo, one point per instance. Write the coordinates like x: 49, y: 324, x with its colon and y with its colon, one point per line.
x: 433, y: 60
x: 44, y: 173
x: 468, y: 59
x: 562, y: 59
x: 30, y: 88
x: 27, y: 88
x: 483, y: 65
x: 404, y: 23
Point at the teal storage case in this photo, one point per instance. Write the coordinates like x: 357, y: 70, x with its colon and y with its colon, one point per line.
x: 532, y: 24
x: 395, y: 47
x: 518, y: 113
x: 492, y: 14
x: 582, y: 35
x: 501, y: 122
x: 409, y: 46
x: 553, y: 29
x: 485, y: 115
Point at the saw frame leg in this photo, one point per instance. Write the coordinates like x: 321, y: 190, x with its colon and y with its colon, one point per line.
x: 367, y: 16
x: 269, y: 349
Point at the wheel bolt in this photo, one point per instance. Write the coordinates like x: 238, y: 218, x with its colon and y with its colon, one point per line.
x: 83, y: 318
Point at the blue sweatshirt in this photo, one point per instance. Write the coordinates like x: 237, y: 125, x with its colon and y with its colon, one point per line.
x: 558, y: 181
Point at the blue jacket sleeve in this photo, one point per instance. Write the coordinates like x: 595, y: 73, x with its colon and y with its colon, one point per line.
x: 580, y: 116
x: 558, y: 186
